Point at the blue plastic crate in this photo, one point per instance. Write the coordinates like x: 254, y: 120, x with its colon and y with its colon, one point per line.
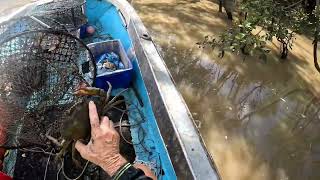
x: 120, y: 78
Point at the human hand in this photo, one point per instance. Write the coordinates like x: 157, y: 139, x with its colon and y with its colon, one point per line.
x: 103, y: 148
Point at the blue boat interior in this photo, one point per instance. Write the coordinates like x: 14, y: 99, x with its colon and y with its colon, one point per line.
x: 148, y: 143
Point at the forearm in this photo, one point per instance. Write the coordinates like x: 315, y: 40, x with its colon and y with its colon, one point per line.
x: 118, y: 162
x: 121, y: 169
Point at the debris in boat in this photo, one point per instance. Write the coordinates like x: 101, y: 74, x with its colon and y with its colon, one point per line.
x: 109, y: 65
x: 109, y: 62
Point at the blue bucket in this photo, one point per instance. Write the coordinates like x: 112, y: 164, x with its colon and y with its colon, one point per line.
x: 120, y: 78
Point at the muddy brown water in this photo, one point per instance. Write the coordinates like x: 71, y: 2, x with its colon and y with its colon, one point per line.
x: 260, y: 121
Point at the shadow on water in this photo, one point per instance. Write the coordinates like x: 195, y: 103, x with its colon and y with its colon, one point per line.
x: 259, y: 120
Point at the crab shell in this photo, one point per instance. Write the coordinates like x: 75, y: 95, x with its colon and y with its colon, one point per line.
x: 77, y: 124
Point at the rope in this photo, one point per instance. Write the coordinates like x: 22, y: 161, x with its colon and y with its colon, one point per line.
x: 46, y: 170
x: 127, y: 141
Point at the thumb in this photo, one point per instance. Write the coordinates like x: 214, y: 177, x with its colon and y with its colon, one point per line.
x: 82, y: 149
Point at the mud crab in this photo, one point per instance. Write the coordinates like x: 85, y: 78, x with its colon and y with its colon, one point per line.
x: 77, y: 124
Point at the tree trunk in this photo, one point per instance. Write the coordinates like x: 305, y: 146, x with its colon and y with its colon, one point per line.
x: 315, y: 44
x: 220, y: 5
x: 315, y: 54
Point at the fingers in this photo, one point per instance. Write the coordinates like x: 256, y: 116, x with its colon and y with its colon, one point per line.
x: 105, y: 123
x: 82, y: 149
x: 94, y: 117
x: 147, y: 171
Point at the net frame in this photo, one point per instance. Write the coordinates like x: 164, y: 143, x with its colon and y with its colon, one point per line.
x: 71, y: 13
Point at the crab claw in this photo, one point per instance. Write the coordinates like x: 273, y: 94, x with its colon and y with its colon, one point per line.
x: 89, y: 91
x: 92, y: 91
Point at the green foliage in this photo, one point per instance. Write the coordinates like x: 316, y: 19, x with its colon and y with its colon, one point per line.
x: 266, y: 20
x: 316, y: 13
x: 317, y: 21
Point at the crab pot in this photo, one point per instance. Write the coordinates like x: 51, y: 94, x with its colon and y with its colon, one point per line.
x: 119, y: 78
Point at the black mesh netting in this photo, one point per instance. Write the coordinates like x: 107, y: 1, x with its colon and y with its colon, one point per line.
x: 27, y: 23
x: 39, y: 72
x: 67, y: 12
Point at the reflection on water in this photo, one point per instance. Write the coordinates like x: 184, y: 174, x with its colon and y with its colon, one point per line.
x: 259, y: 121
x: 251, y: 124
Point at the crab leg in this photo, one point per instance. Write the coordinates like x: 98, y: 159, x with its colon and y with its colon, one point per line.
x: 107, y: 107
x: 65, y: 146
x: 108, y: 92
x: 115, y: 97
x: 52, y: 139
